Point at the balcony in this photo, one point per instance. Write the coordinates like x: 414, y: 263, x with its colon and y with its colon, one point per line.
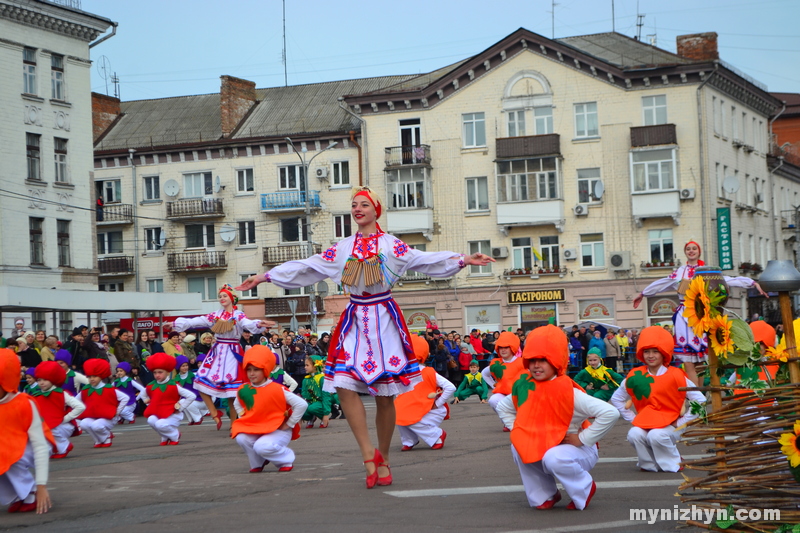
x: 289, y: 201
x: 405, y: 221
x: 196, y: 261
x: 535, y: 272
x: 115, y: 266
x: 195, y: 208
x: 647, y: 266
x: 656, y: 205
x: 533, y: 213
x: 653, y: 135
x: 275, y: 255
x: 279, y: 307
x: 396, y: 156
x: 529, y: 146
x: 116, y: 214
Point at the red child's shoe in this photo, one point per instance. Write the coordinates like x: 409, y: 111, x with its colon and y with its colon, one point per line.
x: 286, y: 468
x: 62, y: 455
x: 132, y: 421
x: 175, y: 442
x: 104, y: 445
x: 551, y: 502
x: 27, y: 507
x: 506, y: 430
x: 163, y: 442
x: 310, y: 425
x: 260, y: 468
x: 406, y: 448
x: 440, y: 445
x: 571, y: 505
x: 14, y: 507
x: 77, y: 431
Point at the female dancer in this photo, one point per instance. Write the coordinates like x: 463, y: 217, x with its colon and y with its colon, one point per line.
x: 220, y: 375
x: 688, y: 347
x: 370, y: 349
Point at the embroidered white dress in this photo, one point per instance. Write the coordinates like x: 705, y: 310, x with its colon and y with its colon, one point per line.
x: 688, y: 346
x: 370, y: 350
x: 220, y: 374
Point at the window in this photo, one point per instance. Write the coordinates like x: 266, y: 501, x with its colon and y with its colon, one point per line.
x: 34, y: 169
x: 37, y: 240
x: 62, y: 235
x: 110, y: 191
x: 155, y: 285
x: 64, y: 324
x: 752, y: 244
x: 543, y: 116
x: 109, y: 242
x: 592, y: 250
x: 342, y: 226
x: 521, y: 253
x: 293, y: 230
x: 655, y: 110
x: 291, y: 177
x: 413, y: 273
x: 29, y: 71
x: 586, y: 120
x: 252, y: 293
x: 744, y: 127
x: 550, y: 251
x: 516, y: 123
x: 660, y: 245
x: 653, y: 170
x: 723, y: 119
x: 247, y: 233
x: 734, y: 124
x: 756, y: 135
x: 483, y: 247
x: 197, y: 185
x: 57, y: 77
x: 477, y: 194
x: 474, y: 125
x: 341, y: 173
x: 200, y: 236
x: 116, y: 286
x: 244, y: 180
x: 152, y: 188
x: 60, y: 157
x: 526, y: 180
x: 207, y: 287
x: 587, y: 180
x: 715, y: 110
x: 39, y: 320
x: 301, y: 291
x: 152, y: 239
x: 406, y: 188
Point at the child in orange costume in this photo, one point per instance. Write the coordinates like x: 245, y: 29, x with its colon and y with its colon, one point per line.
x: 654, y: 392
x: 57, y: 407
x: 421, y: 410
x: 104, y: 403
x: 503, y: 371
x: 546, y: 412
x: 165, y: 399
x: 23, y: 444
x: 268, y: 412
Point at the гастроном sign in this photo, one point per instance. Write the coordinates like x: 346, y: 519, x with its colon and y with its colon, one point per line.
x: 544, y: 295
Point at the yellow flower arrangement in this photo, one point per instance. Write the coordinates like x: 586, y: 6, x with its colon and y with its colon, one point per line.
x: 720, y: 335
x: 698, y: 307
x: 778, y: 354
x: 789, y: 445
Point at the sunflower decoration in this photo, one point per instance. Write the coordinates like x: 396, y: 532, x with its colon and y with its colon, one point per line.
x: 720, y: 335
x: 777, y: 354
x: 698, y: 310
x: 790, y: 445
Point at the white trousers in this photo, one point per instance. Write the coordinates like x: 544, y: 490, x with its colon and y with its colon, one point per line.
x: 656, y: 448
x: 565, y: 464
x: 427, y: 429
x: 127, y: 413
x: 494, y: 399
x: 61, y: 434
x: 272, y: 447
x: 195, y: 411
x: 167, y: 428
x: 98, y: 428
x: 18, y: 483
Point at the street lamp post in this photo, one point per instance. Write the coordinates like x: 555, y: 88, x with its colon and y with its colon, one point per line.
x: 312, y: 298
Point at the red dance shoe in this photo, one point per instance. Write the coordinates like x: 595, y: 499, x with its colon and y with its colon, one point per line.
x: 14, y: 507
x: 286, y: 468
x: 406, y: 448
x: 310, y: 425
x: 372, y: 479
x: 551, y: 502
x: 440, y: 445
x: 385, y: 481
x: 77, y: 431
x: 260, y: 468
x: 506, y: 430
x: 571, y: 505
x: 163, y: 442
x: 103, y: 445
x: 27, y: 507
x: 62, y: 455
x: 132, y: 421
x: 175, y: 442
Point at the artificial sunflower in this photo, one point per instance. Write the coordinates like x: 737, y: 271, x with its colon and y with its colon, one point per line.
x: 778, y: 354
x: 789, y: 445
x: 697, y: 307
x: 720, y: 335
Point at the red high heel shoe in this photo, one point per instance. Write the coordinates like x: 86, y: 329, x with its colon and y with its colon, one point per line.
x: 218, y: 420
x: 384, y: 481
x: 372, y: 479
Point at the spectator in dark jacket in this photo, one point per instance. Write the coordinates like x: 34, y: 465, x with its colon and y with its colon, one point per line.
x: 75, y: 347
x: 94, y: 347
x: 28, y: 357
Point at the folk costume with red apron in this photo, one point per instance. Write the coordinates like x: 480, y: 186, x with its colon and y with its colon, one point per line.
x: 502, y: 374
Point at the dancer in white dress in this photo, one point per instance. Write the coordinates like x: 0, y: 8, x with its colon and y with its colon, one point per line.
x: 370, y: 349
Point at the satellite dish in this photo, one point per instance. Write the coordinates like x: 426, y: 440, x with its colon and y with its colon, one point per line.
x: 218, y: 184
x: 322, y: 289
x: 162, y: 240
x: 172, y: 188
x: 599, y: 189
x: 730, y: 184
x: 227, y: 233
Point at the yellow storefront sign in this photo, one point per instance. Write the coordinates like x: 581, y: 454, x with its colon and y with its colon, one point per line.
x: 544, y: 295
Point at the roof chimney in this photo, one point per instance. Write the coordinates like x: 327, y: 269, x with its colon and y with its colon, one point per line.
x: 698, y: 46
x: 236, y: 97
x: 105, y: 110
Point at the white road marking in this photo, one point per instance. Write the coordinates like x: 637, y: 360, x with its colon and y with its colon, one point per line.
x: 460, y: 491
x: 584, y: 527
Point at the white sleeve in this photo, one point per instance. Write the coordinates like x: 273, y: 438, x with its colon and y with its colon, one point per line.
x: 249, y: 324
x: 506, y: 411
x: 604, y: 417
x: 289, y: 382
x: 619, y: 399
x: 487, y: 377
x: 138, y: 386
x: 305, y: 272
x: 436, y: 264
x: 75, y: 404
x: 187, y: 397
x: 41, y: 448
x: 238, y: 406
x: 448, y: 389
x: 143, y: 396
x: 692, y: 396
x: 80, y: 379
x: 182, y: 324
x: 739, y: 281
x: 661, y: 285
x: 298, y: 405
x: 122, y: 400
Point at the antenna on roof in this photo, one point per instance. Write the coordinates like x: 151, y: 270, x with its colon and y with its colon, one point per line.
x: 553, y: 19
x: 285, y: 76
x: 613, y: 19
x: 115, y: 81
x: 639, y: 24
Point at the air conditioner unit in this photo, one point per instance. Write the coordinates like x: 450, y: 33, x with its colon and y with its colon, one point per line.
x: 581, y: 210
x: 759, y: 197
x: 322, y: 173
x: 620, y: 261
x: 501, y: 252
x: 571, y: 254
x: 687, y: 194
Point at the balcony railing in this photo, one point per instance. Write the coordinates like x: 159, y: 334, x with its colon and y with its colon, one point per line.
x: 529, y: 146
x: 196, y: 261
x: 195, y: 208
x: 535, y: 272
x: 653, y: 135
x: 289, y: 200
x: 275, y: 255
x: 662, y: 265
x: 411, y: 276
x: 116, y: 214
x: 407, y: 155
x: 110, y: 266
x: 280, y: 306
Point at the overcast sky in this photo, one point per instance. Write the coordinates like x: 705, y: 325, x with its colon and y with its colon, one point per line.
x: 181, y: 47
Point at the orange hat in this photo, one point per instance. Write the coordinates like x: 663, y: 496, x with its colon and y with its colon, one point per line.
x: 97, y: 367
x: 9, y: 370
x: 507, y: 340
x: 421, y: 348
x: 548, y: 342
x: 260, y: 357
x: 161, y: 361
x: 762, y: 332
x: 658, y: 338
x: 52, y: 372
